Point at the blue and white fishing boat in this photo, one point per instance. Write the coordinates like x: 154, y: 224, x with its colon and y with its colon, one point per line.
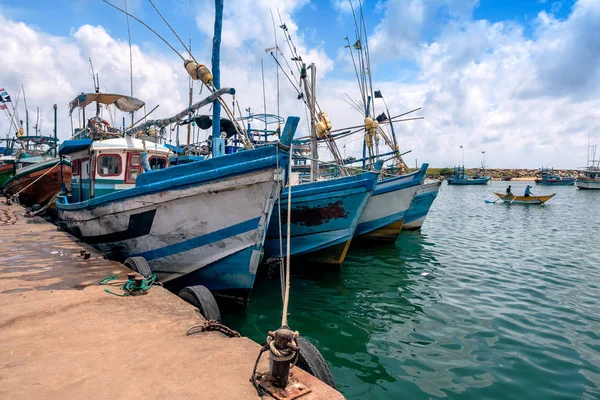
x: 459, y: 177
x: 426, y: 194
x: 198, y: 223
x: 383, y: 217
x: 324, y: 216
x: 549, y: 178
x: 589, y: 178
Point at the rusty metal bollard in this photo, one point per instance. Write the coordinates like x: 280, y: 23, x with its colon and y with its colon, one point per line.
x: 283, y: 341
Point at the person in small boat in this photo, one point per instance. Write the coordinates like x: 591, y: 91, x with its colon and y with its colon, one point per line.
x: 508, y: 191
x: 528, y: 191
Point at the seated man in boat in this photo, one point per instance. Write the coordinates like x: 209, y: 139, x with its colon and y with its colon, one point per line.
x: 528, y: 191
x: 508, y: 191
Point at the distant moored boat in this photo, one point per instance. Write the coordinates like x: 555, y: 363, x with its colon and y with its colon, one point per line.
x: 550, y: 178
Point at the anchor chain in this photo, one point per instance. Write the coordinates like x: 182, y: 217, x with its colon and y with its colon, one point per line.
x: 212, y: 325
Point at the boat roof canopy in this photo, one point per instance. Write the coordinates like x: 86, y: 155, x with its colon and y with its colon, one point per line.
x: 73, y: 146
x: 122, y: 102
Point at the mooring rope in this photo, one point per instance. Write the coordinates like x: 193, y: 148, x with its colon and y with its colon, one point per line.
x: 26, y: 187
x: 286, y: 297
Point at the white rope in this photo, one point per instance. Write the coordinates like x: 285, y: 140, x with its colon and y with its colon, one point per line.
x: 20, y: 191
x: 286, y: 298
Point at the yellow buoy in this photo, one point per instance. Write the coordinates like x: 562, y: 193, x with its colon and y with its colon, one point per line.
x: 198, y: 71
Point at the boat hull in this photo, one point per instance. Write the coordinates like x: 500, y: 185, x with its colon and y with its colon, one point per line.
x: 524, y: 200
x: 482, y: 181
x: 38, y: 183
x: 198, y: 223
x: 324, y: 217
x: 426, y: 194
x: 6, y: 171
x: 555, y: 182
x: 588, y: 184
x: 384, y: 214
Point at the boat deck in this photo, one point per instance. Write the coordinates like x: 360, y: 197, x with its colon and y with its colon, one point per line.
x: 64, y: 337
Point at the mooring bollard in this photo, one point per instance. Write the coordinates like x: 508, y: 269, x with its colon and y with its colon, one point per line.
x: 82, y: 252
x: 281, y: 358
x: 87, y: 255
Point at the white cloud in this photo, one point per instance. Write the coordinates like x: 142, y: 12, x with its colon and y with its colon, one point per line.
x: 526, y: 100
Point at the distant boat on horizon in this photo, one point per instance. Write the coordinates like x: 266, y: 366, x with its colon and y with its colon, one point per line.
x: 548, y: 177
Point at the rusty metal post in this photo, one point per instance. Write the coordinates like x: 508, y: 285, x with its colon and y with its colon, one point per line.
x: 280, y: 370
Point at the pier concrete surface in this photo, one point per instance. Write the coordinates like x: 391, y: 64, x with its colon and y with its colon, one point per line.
x: 63, y: 337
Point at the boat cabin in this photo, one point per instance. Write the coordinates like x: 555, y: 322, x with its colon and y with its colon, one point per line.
x: 103, y: 166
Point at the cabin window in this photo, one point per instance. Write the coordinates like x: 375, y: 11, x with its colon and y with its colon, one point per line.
x: 109, y: 165
x: 157, y: 162
x: 134, y: 167
x: 76, y: 167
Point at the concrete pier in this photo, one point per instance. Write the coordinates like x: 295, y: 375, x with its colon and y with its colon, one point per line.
x: 63, y: 337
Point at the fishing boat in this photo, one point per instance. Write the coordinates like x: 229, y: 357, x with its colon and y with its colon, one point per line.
x: 459, y: 177
x: 324, y: 216
x: 548, y: 177
x: 589, y: 178
x: 202, y: 222
x: 37, y: 175
x: 419, y: 207
x: 384, y: 215
x: 511, y: 199
x: 186, y: 221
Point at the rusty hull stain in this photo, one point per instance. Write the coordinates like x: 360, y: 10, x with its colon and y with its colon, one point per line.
x: 315, y: 216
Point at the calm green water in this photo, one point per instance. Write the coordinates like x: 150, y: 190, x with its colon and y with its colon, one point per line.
x: 487, y: 301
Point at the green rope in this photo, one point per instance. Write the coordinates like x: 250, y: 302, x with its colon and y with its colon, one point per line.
x: 108, y: 279
x: 129, y: 288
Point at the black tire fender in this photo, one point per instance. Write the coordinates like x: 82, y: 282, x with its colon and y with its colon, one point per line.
x: 139, y: 265
x: 200, y: 297
x: 311, y: 360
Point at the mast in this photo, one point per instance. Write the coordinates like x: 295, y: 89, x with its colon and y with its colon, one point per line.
x: 26, y: 111
x: 314, y: 168
x: 55, y: 135
x: 216, y: 72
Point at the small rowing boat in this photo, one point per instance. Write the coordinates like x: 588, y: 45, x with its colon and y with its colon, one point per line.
x: 508, y: 199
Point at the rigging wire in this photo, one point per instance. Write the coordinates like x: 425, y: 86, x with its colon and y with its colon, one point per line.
x: 173, y: 30
x: 147, y: 26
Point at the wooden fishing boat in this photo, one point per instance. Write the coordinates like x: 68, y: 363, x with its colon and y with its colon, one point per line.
x: 384, y: 215
x: 202, y: 222
x: 549, y: 178
x: 589, y: 178
x: 459, y: 177
x: 507, y: 199
x: 38, y: 183
x: 426, y: 194
x: 324, y: 217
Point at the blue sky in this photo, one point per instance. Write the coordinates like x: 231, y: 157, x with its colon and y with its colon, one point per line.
x: 517, y: 78
x: 320, y: 22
